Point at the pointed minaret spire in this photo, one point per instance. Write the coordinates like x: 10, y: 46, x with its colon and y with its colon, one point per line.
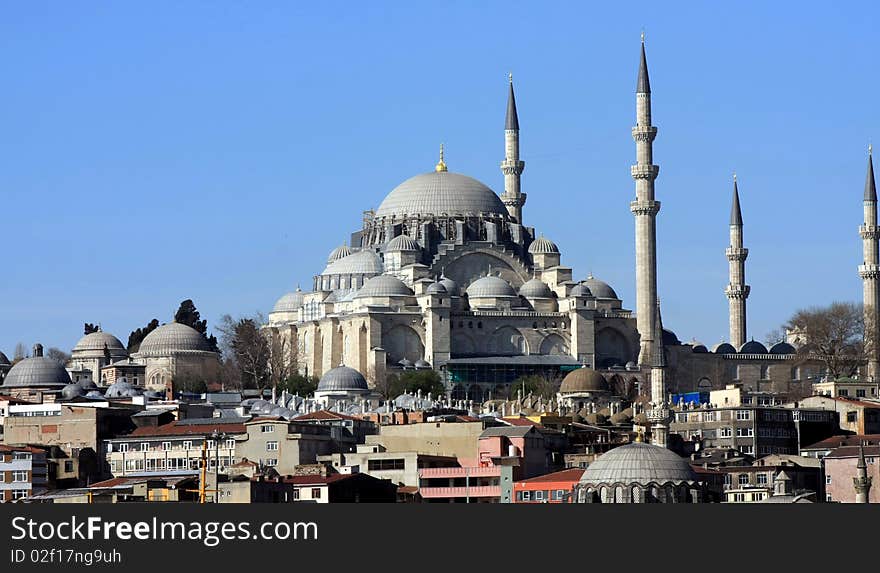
x: 737, y: 290
x: 512, y: 167
x: 862, y: 481
x: 869, y: 271
x: 736, y: 217
x: 644, y: 85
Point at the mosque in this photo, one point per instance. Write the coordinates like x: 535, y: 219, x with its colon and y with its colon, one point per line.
x: 447, y: 274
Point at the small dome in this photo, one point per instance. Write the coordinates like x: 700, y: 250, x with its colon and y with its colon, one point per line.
x: 724, y: 348
x: 543, y: 246
x: 583, y: 380
x: 639, y: 463
x: 698, y: 347
x: 173, y: 338
x: 581, y: 289
x: 442, y: 194
x: 363, y: 262
x: 382, y: 286
x: 37, y: 371
x: 291, y: 302
x: 405, y: 363
x: 87, y: 384
x: 600, y: 289
x: 4, y: 361
x: 490, y: 287
x: 342, y: 378
x: 631, y: 365
x: 94, y: 395
x: 338, y: 253
x: 783, y: 348
x: 436, y: 288
x: 421, y: 363
x: 119, y: 389
x: 752, y: 347
x: 95, y: 342
x: 404, y: 244
x: 450, y: 285
x: 72, y: 391
x: 535, y: 288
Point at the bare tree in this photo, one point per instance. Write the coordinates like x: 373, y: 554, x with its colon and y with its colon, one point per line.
x: 58, y: 355
x: 775, y: 336
x: 836, y: 335
x: 245, y: 343
x: 20, y: 353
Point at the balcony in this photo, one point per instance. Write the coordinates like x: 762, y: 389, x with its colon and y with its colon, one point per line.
x: 473, y: 491
x: 430, y: 473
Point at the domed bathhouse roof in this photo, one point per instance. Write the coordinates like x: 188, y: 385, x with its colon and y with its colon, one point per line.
x: 535, y: 288
x: 342, y: 379
x: 783, y: 348
x: 440, y: 193
x: 37, y: 372
x: 403, y: 243
x: 363, y: 262
x: 752, y: 347
x: 543, y: 246
x: 436, y: 288
x: 581, y: 289
x: 338, y: 253
x: 490, y: 287
x: 290, y: 302
x: 384, y: 286
x: 600, y: 289
x: 173, y: 338
x: 724, y: 348
x: 583, y: 380
x: 72, y: 391
x: 638, y: 473
x: 96, y: 341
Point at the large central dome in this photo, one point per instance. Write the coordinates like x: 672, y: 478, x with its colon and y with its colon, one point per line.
x: 440, y: 193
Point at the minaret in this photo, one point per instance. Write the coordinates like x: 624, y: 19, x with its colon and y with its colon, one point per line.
x: 512, y: 167
x: 862, y: 481
x: 659, y: 414
x: 737, y: 290
x: 870, y: 272
x: 645, y: 209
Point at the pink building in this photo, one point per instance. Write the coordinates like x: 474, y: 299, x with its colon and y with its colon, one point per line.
x: 840, y: 469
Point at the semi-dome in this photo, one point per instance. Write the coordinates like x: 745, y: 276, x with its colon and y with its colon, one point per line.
x: 600, y: 289
x: 363, y: 262
x: 639, y: 463
x: 338, y: 253
x: 583, y: 380
x: 724, y: 348
x: 173, y: 338
x: 342, y: 378
x: 543, y: 246
x: 442, y: 194
x: 37, y: 372
x: 382, y: 286
x: 535, y: 288
x: 403, y: 244
x: 450, y: 285
x: 436, y: 288
x: 96, y: 341
x: 783, y: 348
x: 290, y: 302
x: 752, y: 347
x: 490, y: 287
x: 581, y: 289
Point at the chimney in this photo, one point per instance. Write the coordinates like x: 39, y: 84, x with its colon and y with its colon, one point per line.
x: 38, y: 350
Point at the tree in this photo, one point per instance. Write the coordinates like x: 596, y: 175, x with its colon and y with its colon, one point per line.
x: 244, y: 343
x: 542, y: 385
x: 775, y: 336
x: 412, y: 381
x: 20, y: 353
x: 137, y: 336
x: 188, y: 314
x: 836, y: 335
x: 299, y: 384
x: 89, y: 328
x: 58, y: 355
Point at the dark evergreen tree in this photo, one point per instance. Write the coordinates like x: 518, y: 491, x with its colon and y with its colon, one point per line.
x: 189, y: 315
x: 137, y: 336
x: 89, y: 328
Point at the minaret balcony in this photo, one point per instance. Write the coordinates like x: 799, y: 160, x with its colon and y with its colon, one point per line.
x: 509, y: 167
x: 736, y: 253
x: 737, y: 292
x: 869, y: 231
x: 644, y: 133
x: 869, y: 271
x: 644, y: 207
x: 640, y: 171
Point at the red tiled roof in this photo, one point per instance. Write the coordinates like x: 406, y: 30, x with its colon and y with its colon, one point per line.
x: 178, y: 429
x: 572, y: 474
x: 853, y: 452
x: 321, y: 415
x: 14, y: 400
x: 265, y: 419
x: 5, y: 448
x: 847, y: 440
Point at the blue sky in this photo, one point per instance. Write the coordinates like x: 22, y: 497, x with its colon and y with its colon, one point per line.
x: 157, y: 151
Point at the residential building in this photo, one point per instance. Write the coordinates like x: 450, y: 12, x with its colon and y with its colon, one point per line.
x: 400, y: 468
x: 847, y: 388
x: 342, y: 488
x: 556, y: 487
x: 841, y: 468
x: 23, y: 472
x: 855, y: 416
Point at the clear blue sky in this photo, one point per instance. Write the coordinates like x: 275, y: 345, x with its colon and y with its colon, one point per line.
x: 157, y: 151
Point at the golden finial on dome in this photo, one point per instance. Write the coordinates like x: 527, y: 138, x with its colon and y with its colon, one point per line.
x: 640, y: 437
x: 441, y: 165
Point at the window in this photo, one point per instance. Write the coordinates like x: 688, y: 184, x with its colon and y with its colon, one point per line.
x: 828, y: 497
x: 19, y: 476
x: 843, y: 392
x: 145, y: 447
x: 296, y: 493
x: 539, y: 495
x: 852, y: 416
x: 271, y: 462
x: 710, y: 416
x: 386, y: 464
x: 727, y: 479
x: 267, y: 428
x: 316, y: 493
x: 744, y: 432
x: 761, y: 479
x: 526, y: 495
x: 272, y: 446
x: 68, y: 466
x: 743, y: 415
x: 743, y: 479
x: 19, y: 493
x: 558, y: 494
x: 827, y: 479
x: 123, y: 448
x: 739, y: 497
x: 21, y: 456
x: 210, y: 444
x: 187, y: 445
x: 747, y: 449
x: 860, y: 393
x: 166, y: 446
x: 230, y: 444
x: 725, y: 432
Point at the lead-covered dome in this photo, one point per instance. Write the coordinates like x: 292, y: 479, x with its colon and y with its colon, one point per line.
x: 342, y: 378
x: 173, y: 338
x: 639, y: 463
x: 339, y: 252
x: 543, y: 246
x: 403, y: 244
x: 440, y: 193
x: 752, y: 347
x: 383, y: 286
x: 583, y: 380
x: 600, y: 289
x: 363, y: 262
x: 490, y: 287
x: 783, y: 348
x: 94, y: 343
x: 37, y: 372
x: 4, y: 361
x: 290, y: 302
x: 535, y: 288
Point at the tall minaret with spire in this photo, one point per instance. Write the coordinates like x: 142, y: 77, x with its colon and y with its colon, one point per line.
x: 512, y: 167
x: 645, y: 209
x: 659, y: 415
x: 737, y: 290
x: 870, y: 272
